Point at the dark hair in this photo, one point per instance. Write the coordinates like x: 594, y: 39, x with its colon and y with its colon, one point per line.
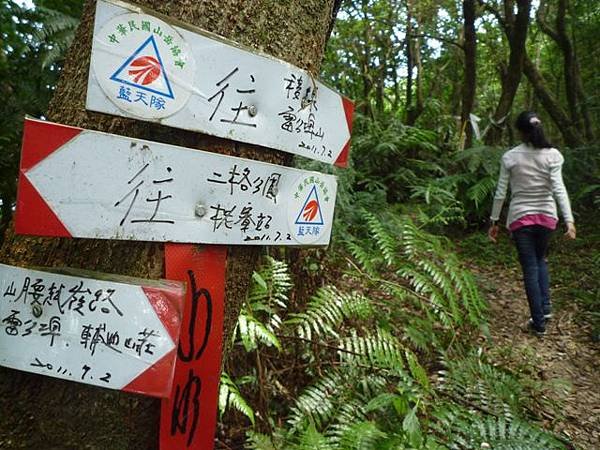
x: 530, y: 125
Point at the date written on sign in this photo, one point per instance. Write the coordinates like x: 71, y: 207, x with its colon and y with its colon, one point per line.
x: 80, y: 183
x: 111, y: 334
x: 183, y: 77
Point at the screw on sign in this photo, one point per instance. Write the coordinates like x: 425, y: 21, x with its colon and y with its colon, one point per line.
x: 147, y: 191
x: 183, y: 77
x: 111, y: 332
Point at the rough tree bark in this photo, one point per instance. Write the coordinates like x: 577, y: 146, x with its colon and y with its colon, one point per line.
x: 515, y: 28
x: 46, y: 413
x: 470, y: 76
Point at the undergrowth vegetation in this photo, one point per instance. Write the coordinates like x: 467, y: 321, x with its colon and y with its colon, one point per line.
x: 385, y: 359
x: 390, y: 351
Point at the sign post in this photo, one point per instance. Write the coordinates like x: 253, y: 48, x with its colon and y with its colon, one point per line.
x: 87, y: 184
x: 189, y: 415
x: 183, y: 77
x: 117, y: 333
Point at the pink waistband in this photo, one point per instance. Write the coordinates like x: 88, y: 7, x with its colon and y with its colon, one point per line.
x: 534, y: 219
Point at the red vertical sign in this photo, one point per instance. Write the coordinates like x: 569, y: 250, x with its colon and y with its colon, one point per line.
x: 189, y: 416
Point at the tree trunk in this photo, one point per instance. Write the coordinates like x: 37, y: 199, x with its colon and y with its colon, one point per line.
x: 515, y: 28
x: 551, y: 105
x: 409, y: 63
x: 47, y: 413
x: 470, y: 80
x: 364, y: 51
x: 573, y: 84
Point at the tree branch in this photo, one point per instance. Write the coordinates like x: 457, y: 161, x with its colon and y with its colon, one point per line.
x: 541, y: 20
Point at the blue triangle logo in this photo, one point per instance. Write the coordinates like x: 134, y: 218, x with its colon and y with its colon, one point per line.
x: 144, y: 70
x: 310, y: 213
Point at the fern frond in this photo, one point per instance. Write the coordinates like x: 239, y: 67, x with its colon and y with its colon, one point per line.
x: 311, y: 439
x: 362, y: 436
x: 326, y: 311
x: 386, y: 243
x: 271, y: 284
x: 380, y: 350
x: 481, y: 190
x: 365, y: 258
x: 230, y: 397
x: 482, y: 384
x: 252, y: 332
x: 416, y: 370
x: 258, y: 441
x: 465, y: 430
x: 318, y: 402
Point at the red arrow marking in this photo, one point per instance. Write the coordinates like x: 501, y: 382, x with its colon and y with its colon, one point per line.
x: 310, y: 210
x: 146, y: 69
x: 40, y: 139
x: 342, y: 159
x: 157, y: 380
x: 34, y: 216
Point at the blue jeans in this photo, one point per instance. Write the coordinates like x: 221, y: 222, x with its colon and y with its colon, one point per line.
x: 532, y: 245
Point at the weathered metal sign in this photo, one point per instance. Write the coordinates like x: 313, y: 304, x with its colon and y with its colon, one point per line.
x: 80, y: 183
x: 183, y: 77
x: 111, y: 334
x: 189, y: 416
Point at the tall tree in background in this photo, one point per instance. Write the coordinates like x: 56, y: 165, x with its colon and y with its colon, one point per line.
x: 515, y: 27
x: 577, y: 104
x: 551, y: 104
x: 49, y: 413
x: 470, y: 77
x: 414, y: 22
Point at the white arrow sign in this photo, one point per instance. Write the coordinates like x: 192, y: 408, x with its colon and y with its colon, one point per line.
x: 184, y: 77
x: 116, y: 335
x: 81, y: 183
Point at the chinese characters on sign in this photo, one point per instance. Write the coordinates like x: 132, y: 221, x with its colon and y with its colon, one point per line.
x: 145, y: 68
x: 140, y: 190
x: 104, y: 333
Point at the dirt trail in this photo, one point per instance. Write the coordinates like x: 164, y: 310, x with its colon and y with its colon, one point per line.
x: 566, y: 354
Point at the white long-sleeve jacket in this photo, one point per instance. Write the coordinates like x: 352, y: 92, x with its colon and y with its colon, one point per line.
x: 535, y: 177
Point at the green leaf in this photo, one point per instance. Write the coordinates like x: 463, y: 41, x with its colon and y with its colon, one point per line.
x: 260, y: 281
x: 412, y: 427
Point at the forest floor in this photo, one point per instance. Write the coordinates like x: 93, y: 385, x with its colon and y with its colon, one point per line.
x: 565, y: 364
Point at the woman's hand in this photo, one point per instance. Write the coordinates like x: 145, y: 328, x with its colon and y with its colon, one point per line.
x: 571, y: 231
x: 493, y: 233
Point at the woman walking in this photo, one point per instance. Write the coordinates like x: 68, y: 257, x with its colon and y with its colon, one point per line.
x: 534, y: 171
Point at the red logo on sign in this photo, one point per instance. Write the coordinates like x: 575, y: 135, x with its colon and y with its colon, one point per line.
x: 310, y: 210
x: 144, y: 70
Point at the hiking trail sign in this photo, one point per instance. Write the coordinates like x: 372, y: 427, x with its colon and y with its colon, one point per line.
x: 114, y: 334
x: 184, y: 77
x: 87, y: 184
x: 188, y: 416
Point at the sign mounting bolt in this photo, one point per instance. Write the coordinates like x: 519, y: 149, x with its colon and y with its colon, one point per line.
x: 252, y: 111
x: 36, y: 310
x: 200, y: 210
